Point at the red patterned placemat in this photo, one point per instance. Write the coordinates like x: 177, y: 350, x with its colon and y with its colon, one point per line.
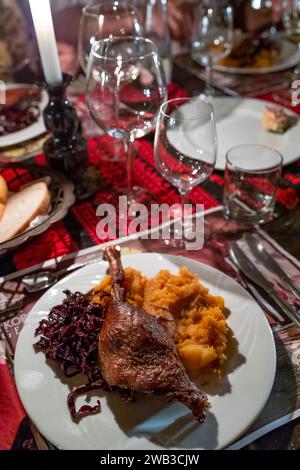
x: 78, y: 230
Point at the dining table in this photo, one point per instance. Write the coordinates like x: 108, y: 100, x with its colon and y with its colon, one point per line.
x: 75, y: 240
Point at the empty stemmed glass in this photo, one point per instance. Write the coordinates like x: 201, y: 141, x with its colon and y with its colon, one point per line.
x: 291, y: 19
x: 271, y: 10
x: 212, y: 36
x: 185, y: 147
x: 125, y: 89
x: 154, y: 16
x: 104, y: 20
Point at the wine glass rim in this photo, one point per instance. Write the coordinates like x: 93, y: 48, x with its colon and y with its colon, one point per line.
x: 267, y: 169
x: 187, y: 100
x: 116, y: 39
x: 95, y: 10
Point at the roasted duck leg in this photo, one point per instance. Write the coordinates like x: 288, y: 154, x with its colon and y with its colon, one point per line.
x: 137, y: 353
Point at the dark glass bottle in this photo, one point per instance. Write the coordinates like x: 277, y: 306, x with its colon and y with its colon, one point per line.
x: 66, y: 150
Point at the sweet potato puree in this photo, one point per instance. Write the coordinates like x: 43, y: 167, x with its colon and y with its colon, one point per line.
x: 194, y: 316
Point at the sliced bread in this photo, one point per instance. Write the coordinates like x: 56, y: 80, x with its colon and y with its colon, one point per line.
x: 22, y: 208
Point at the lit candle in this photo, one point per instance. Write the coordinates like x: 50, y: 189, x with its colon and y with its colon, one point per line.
x: 43, y: 24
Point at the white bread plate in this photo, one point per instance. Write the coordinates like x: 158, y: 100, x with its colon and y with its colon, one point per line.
x: 44, y: 199
x: 23, y: 208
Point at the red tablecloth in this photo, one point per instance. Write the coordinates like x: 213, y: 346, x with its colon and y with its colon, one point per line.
x: 78, y: 230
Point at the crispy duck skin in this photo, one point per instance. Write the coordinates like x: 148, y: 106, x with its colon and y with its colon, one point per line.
x: 137, y: 353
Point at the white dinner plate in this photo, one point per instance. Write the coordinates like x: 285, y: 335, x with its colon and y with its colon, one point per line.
x: 239, y: 121
x: 30, y: 132
x: 236, y: 399
x: 289, y: 56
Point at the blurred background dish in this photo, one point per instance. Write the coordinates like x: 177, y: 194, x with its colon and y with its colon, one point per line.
x: 239, y: 121
x: 23, y: 111
x: 23, y: 151
x: 277, y: 54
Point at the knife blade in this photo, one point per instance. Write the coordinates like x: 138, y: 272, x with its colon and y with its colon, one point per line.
x: 261, y: 254
x: 246, y: 266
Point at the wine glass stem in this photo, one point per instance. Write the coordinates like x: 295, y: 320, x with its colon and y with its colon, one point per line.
x: 183, y: 201
x: 129, y: 155
x: 209, y: 70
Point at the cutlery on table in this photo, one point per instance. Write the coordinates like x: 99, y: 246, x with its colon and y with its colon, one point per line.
x: 260, y: 297
x: 246, y: 266
x: 43, y: 279
x: 263, y: 302
x: 261, y: 254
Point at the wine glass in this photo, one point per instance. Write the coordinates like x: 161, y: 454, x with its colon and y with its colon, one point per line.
x: 291, y: 29
x: 212, y: 37
x: 271, y: 10
x: 185, y: 146
x: 155, y: 24
x: 106, y: 19
x: 125, y: 88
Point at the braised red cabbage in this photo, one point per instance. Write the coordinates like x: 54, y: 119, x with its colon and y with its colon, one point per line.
x: 70, y: 337
x: 14, y: 118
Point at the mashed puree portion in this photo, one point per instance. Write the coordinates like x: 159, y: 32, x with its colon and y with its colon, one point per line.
x: 195, y: 317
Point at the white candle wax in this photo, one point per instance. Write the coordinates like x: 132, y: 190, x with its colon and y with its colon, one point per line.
x: 43, y: 24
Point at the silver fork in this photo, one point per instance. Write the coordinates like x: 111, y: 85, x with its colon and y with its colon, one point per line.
x: 248, y: 268
x: 43, y: 279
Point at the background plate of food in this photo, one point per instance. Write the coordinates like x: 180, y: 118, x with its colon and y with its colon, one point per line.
x: 242, y: 121
x: 248, y: 120
x: 180, y: 331
x: 24, y: 151
x: 21, y: 118
x: 257, y: 55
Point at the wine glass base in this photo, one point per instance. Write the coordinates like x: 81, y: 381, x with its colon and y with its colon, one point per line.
x: 207, y: 95
x: 136, y: 195
x: 177, y: 239
x: 204, y: 234
x: 175, y: 244
x: 115, y: 155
